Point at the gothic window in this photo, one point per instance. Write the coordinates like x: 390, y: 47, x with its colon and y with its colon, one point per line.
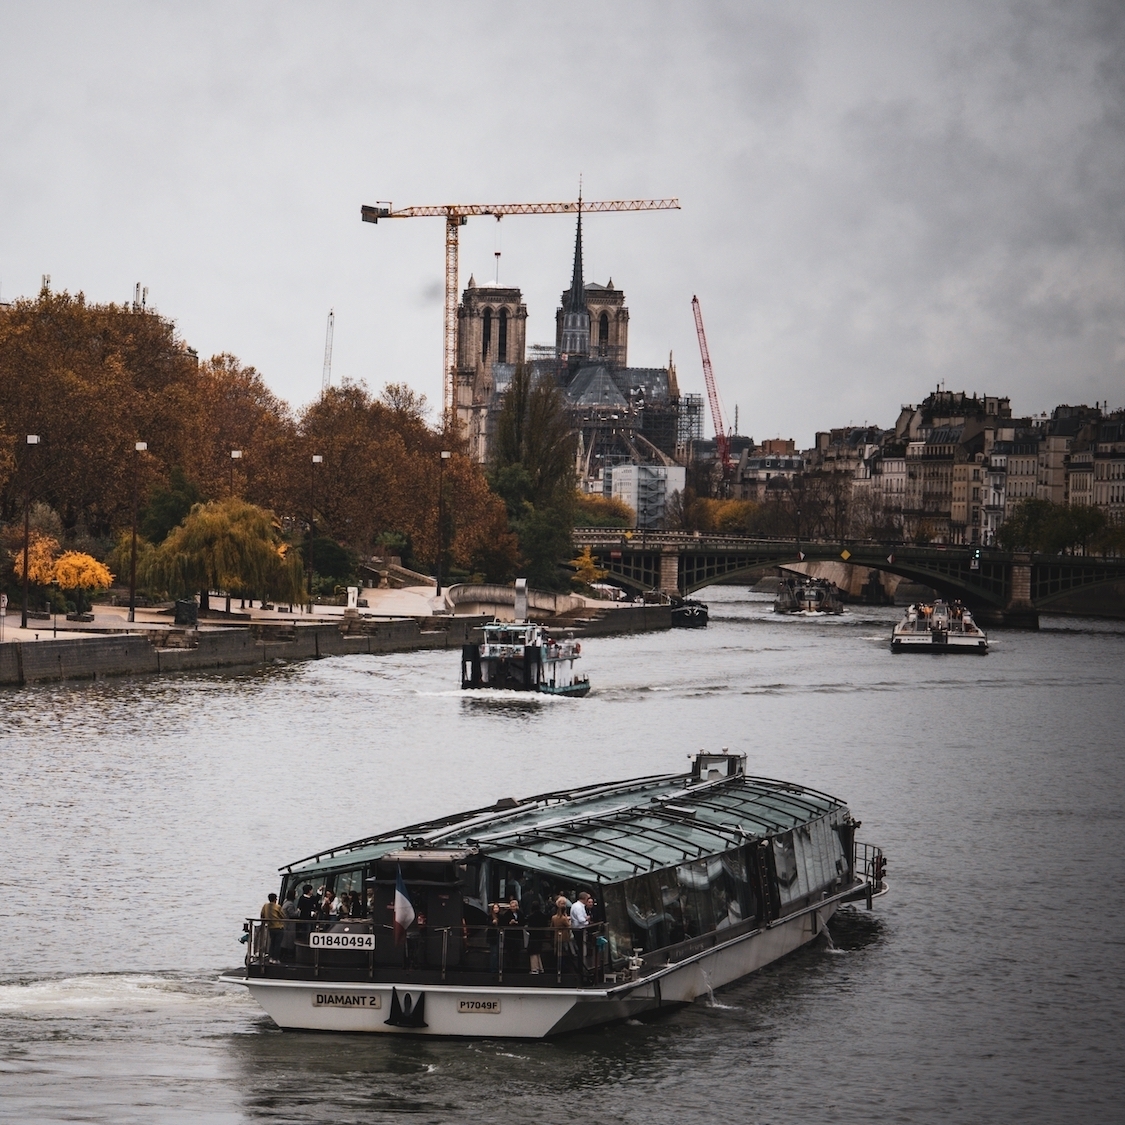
x: 485, y: 333
x: 502, y: 343
x: 603, y: 330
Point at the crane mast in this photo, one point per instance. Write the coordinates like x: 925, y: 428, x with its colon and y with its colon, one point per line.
x: 456, y: 215
x: 722, y: 438
x: 326, y: 376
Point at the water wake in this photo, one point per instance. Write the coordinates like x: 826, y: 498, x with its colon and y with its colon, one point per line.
x: 98, y: 992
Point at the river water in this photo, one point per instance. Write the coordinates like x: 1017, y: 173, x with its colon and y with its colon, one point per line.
x: 142, y: 819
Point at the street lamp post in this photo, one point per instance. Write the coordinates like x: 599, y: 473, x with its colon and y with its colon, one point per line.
x: 32, y: 439
x: 445, y: 455
x: 317, y: 460
x: 235, y: 455
x: 138, y: 449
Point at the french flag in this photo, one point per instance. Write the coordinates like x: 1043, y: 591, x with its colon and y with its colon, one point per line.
x: 404, y: 912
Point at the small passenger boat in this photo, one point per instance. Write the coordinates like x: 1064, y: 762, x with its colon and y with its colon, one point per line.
x: 939, y: 627
x: 523, y: 656
x: 689, y: 882
x: 808, y: 595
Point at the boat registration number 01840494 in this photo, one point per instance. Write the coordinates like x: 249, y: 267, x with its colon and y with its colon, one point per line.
x: 479, y: 1007
x: 342, y: 941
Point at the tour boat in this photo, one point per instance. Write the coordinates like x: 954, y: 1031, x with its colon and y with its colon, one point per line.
x: 523, y: 656
x: 696, y: 879
x: 807, y: 595
x: 939, y: 627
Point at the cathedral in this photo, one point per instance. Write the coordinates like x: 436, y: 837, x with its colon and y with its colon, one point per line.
x: 622, y: 414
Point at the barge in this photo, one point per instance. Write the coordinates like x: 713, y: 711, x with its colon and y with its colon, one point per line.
x: 688, y: 613
x: 531, y: 918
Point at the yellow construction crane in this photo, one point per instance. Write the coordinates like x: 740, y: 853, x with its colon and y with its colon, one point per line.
x: 456, y: 215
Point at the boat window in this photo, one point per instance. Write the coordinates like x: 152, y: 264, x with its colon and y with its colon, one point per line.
x: 349, y: 881
x: 808, y: 872
x: 785, y: 864
x: 695, y: 903
x: 740, y: 901
x: 636, y: 914
x: 296, y: 883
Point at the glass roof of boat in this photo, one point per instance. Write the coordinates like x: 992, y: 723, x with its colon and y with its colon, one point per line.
x: 609, y: 832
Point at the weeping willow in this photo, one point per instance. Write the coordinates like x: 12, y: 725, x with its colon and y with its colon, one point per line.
x: 227, y: 545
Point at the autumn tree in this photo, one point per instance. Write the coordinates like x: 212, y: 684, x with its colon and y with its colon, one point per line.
x: 586, y: 569
x: 90, y: 380
x: 378, y: 481
x: 602, y: 511
x: 77, y: 571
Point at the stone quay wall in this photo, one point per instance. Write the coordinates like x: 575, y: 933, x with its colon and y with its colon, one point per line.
x: 155, y: 652
x: 92, y: 657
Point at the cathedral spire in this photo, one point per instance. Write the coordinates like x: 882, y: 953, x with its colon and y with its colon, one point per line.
x: 577, y: 302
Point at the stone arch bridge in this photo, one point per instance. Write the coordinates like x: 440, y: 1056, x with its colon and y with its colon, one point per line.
x: 1001, y: 587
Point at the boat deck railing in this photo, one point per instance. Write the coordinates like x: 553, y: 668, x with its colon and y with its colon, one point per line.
x: 357, y: 948
x: 870, y: 865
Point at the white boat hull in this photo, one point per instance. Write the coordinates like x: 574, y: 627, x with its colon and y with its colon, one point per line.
x: 527, y: 1013
x: 948, y: 642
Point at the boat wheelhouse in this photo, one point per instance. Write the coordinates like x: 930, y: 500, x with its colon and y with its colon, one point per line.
x: 939, y: 627
x: 523, y: 656
x: 696, y: 879
x: 808, y: 595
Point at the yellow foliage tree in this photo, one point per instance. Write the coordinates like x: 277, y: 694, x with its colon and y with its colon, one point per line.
x: 586, y: 570
x: 41, y: 553
x: 79, y: 572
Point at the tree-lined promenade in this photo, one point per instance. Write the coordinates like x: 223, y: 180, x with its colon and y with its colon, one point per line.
x: 352, y: 474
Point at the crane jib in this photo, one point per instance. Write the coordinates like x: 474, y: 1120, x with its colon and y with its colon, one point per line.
x: 373, y: 213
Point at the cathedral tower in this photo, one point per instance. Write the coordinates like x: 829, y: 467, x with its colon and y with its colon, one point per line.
x: 592, y: 319
x: 491, y: 330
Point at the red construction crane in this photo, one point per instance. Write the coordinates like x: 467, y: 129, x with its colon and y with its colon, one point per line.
x: 722, y: 438
x: 457, y: 214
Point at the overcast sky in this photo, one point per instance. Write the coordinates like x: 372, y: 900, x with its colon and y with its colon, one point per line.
x: 876, y: 197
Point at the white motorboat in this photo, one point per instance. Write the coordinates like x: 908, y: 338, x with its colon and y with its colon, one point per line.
x: 940, y: 627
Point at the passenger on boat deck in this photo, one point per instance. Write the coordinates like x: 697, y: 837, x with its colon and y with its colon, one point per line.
x: 275, y: 924
x: 307, y: 908
x: 538, y: 934
x: 579, y: 923
x: 495, y: 921
x: 514, y: 932
x: 560, y: 927
x: 291, y: 911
